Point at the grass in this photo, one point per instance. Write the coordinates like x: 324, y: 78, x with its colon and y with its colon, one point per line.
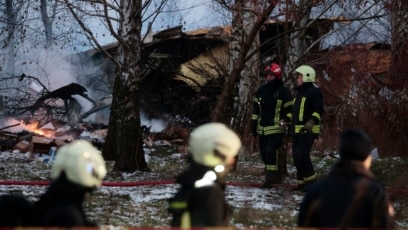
x: 250, y: 168
x: 122, y: 207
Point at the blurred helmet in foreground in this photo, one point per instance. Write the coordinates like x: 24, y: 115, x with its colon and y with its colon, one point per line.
x: 214, y: 144
x: 82, y: 163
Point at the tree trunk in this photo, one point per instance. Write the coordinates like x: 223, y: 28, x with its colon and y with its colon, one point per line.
x: 249, y: 79
x: 242, y: 39
x: 124, y: 140
x: 47, y: 20
x: 399, y: 58
x: 297, y: 39
x: 11, y: 13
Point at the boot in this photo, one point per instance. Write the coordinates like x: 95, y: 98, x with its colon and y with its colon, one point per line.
x: 307, y: 185
x: 271, y: 177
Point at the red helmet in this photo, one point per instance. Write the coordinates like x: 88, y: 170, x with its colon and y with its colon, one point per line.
x: 275, y: 69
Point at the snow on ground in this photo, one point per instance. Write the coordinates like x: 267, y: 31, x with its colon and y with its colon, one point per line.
x: 138, y: 202
x: 146, y: 206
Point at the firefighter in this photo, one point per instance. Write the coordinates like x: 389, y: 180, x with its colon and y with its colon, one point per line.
x: 306, y: 120
x: 272, y: 105
x: 15, y: 211
x: 200, y: 201
x: 79, y: 168
x: 349, y: 197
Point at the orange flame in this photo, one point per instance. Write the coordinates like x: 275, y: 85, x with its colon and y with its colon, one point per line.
x: 33, y: 127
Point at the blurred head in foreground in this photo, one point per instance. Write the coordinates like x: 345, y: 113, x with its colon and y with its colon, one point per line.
x: 214, y: 145
x: 356, y: 145
x: 81, y: 162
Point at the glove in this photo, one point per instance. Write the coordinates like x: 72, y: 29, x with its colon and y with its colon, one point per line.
x: 282, y: 123
x: 309, y: 125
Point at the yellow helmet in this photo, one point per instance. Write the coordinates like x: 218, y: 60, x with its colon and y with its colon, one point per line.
x: 82, y: 163
x: 210, y: 139
x: 308, y: 73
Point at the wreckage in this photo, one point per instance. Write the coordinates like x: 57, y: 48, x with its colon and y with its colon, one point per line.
x: 183, y: 72
x: 47, y: 139
x: 60, y: 104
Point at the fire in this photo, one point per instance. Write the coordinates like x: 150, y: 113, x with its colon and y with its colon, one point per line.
x: 33, y: 127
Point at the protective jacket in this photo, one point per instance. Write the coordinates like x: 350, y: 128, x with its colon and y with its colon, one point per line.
x: 349, y: 197
x: 62, y: 205
x: 308, y: 104
x: 15, y: 211
x: 200, y: 200
x: 272, y: 103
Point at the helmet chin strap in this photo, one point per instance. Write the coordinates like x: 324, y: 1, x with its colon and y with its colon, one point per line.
x: 273, y: 80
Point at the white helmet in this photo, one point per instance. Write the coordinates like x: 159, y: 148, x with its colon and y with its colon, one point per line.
x: 82, y: 163
x: 210, y: 138
x: 308, y: 73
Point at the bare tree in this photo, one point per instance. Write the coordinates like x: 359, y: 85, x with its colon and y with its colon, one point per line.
x: 11, y: 10
x: 399, y: 67
x: 299, y: 18
x: 47, y: 18
x: 123, y: 143
x: 248, y: 18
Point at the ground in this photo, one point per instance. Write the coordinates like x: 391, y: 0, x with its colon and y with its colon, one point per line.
x: 142, y: 202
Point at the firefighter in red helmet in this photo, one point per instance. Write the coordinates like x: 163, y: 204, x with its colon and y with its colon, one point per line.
x: 272, y: 105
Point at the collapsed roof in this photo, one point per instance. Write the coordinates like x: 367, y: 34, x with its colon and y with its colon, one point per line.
x: 186, y: 70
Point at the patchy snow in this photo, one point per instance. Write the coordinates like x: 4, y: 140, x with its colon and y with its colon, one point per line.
x: 140, y: 198
x: 141, y: 206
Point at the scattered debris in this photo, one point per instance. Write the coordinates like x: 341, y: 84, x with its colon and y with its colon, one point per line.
x: 54, y: 134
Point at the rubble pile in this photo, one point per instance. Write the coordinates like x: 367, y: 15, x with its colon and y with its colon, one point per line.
x: 54, y: 134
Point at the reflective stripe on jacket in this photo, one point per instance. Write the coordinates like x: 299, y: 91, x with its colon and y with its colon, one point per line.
x: 308, y: 104
x: 199, y: 202
x: 272, y: 103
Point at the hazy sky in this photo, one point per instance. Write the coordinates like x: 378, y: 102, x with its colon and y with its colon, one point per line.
x: 191, y: 14
x: 204, y: 13
x: 188, y: 13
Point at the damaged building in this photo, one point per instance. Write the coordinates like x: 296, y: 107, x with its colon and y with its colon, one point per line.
x: 184, y: 72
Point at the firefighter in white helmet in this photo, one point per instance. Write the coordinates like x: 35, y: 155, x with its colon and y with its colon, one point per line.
x: 78, y: 169
x: 201, y: 199
x: 308, y: 109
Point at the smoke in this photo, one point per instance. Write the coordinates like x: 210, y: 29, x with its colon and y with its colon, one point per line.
x: 157, y: 125
x: 16, y: 126
x: 50, y: 66
x: 54, y: 68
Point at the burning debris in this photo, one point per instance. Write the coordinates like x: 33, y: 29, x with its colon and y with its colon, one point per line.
x: 30, y: 139
x: 34, y: 138
x: 52, y: 118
